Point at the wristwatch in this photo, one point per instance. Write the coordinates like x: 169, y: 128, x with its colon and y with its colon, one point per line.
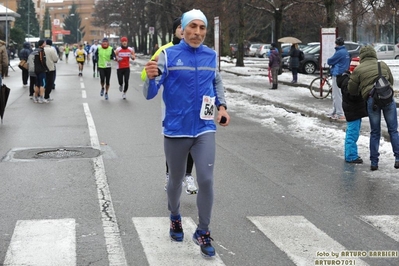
x: 225, y: 107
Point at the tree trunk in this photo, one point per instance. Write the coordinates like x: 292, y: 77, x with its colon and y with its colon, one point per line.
x: 241, y: 34
x: 330, y: 10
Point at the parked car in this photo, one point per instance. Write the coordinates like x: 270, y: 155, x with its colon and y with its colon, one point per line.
x: 286, y: 47
x: 305, y: 49
x: 234, y: 49
x: 252, y: 49
x: 354, y: 63
x: 310, y: 64
x: 387, y: 51
x: 263, y: 50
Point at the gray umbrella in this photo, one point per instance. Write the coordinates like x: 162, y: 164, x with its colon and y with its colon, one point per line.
x: 289, y: 40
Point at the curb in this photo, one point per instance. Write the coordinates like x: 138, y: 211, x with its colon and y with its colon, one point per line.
x: 288, y: 108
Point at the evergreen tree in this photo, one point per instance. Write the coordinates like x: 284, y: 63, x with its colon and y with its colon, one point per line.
x: 28, y: 21
x: 17, y: 35
x: 47, y: 22
x: 72, y: 23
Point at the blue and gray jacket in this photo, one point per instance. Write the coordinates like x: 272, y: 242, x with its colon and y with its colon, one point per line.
x: 187, y: 75
x: 340, y: 61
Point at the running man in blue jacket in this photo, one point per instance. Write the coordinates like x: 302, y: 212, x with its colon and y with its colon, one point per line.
x: 187, y: 73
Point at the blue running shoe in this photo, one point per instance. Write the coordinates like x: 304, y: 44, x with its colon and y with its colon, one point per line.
x: 176, y: 229
x: 102, y: 92
x: 203, y: 239
x: 106, y: 96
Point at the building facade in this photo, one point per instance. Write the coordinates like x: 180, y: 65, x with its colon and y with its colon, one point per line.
x: 60, y: 9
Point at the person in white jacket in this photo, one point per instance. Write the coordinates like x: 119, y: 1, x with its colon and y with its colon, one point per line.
x: 51, y: 59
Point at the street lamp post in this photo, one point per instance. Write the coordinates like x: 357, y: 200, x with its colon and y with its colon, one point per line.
x: 78, y: 34
x: 77, y: 29
x: 7, y: 22
x: 393, y: 26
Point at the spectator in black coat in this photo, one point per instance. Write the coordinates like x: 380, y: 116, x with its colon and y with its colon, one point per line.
x: 23, y: 55
x: 294, y: 62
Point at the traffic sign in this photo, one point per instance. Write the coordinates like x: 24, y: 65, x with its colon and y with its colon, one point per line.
x: 151, y: 30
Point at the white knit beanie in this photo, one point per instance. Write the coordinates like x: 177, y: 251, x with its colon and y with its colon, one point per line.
x: 192, y: 15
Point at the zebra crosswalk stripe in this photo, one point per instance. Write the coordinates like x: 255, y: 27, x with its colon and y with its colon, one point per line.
x: 299, y: 238
x: 160, y: 250
x: 389, y: 224
x: 53, y: 242
x: 43, y: 243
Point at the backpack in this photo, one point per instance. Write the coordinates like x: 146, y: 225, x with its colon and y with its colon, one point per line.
x: 382, y: 91
x: 301, y: 55
x: 31, y: 61
x: 40, y: 63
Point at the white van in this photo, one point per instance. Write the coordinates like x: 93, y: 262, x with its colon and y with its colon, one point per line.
x: 387, y: 51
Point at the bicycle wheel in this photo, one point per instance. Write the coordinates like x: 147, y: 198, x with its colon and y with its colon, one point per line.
x: 320, y: 88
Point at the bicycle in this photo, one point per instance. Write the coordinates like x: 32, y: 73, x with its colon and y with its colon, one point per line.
x: 321, y: 87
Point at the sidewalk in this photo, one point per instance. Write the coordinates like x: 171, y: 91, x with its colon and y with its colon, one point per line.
x: 292, y: 97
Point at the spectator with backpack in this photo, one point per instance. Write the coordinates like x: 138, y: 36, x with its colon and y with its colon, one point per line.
x: 363, y: 80
x: 41, y: 68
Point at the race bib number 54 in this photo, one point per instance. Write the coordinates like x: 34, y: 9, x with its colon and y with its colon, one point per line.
x: 207, y: 108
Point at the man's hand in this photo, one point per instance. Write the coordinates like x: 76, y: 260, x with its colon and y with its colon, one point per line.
x: 223, y: 113
x: 152, y: 68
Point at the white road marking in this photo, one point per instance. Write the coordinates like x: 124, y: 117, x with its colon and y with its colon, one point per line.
x: 43, y: 243
x: 84, y: 95
x: 161, y: 250
x: 116, y: 254
x: 82, y: 85
x: 389, y: 224
x: 299, y: 239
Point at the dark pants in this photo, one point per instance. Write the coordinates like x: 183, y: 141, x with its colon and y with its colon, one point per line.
x: 32, y: 82
x: 50, y: 76
x: 105, y: 75
x: 94, y: 65
x: 123, y: 77
x: 25, y: 76
x: 294, y: 74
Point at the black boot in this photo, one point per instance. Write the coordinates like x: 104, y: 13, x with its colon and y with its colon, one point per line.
x: 274, y: 87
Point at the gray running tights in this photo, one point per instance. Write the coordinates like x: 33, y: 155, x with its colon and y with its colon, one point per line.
x: 202, y: 149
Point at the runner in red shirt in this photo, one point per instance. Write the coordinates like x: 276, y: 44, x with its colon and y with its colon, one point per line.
x: 123, y: 55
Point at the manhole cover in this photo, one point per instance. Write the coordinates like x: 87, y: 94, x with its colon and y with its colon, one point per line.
x: 59, y: 153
